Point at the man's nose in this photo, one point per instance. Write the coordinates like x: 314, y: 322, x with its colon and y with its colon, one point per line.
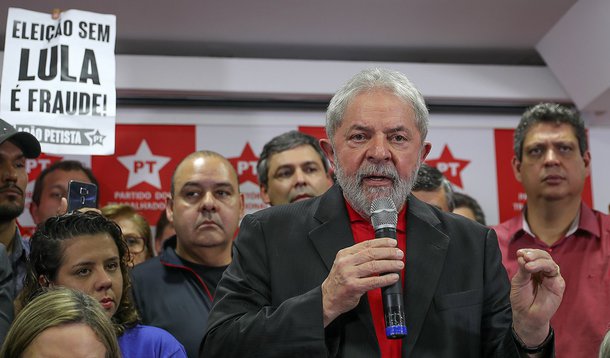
x: 378, y: 150
x: 551, y: 157
x: 208, y: 201
x: 300, y: 177
x: 9, y: 172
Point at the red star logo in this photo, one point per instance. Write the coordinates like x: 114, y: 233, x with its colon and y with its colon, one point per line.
x: 245, y: 165
x: 450, y: 167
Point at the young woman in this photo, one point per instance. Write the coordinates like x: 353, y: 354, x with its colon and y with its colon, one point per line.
x: 61, y: 322
x: 86, y: 252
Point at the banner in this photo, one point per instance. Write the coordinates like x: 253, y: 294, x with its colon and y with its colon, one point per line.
x: 139, y: 173
x: 58, y: 79
x: 456, y: 152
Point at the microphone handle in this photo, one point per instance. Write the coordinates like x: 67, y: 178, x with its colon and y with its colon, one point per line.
x: 393, y: 308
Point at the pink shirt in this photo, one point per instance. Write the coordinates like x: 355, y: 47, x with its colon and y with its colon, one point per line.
x: 583, y: 318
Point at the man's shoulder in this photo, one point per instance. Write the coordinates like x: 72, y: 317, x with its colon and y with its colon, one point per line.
x: 602, y: 217
x: 603, y: 222
x: 147, y: 268
x: 507, y: 229
x: 280, y: 213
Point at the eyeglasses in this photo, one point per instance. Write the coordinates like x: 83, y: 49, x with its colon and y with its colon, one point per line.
x: 136, y: 244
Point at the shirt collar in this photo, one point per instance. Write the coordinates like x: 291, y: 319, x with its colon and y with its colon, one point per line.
x: 20, y: 248
x: 355, y: 218
x: 588, y: 221
x: 584, y: 220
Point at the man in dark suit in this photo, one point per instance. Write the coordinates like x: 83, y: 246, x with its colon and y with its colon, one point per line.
x: 305, y: 278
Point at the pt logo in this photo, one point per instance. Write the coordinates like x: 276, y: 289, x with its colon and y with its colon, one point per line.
x: 35, y: 166
x: 450, y: 166
x: 143, y: 166
x: 96, y: 137
x: 245, y: 165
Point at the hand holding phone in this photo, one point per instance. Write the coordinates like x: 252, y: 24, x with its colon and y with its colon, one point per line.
x: 81, y: 195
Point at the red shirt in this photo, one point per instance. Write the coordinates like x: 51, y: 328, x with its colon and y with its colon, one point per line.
x: 584, y: 258
x: 362, y: 231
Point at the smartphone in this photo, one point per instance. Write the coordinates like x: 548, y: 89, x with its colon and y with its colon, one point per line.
x: 81, y: 195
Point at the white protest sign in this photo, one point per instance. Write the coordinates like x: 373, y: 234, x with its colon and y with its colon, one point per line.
x: 58, y: 79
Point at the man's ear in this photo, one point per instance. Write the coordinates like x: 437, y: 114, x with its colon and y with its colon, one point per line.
x: 328, y: 150
x: 242, y: 205
x: 34, y: 212
x: 169, y: 209
x: 587, y: 159
x: 425, y: 151
x: 516, y: 164
x: 265, y: 195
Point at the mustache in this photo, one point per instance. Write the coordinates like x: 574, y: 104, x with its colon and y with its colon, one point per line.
x: 301, y: 191
x: 380, y: 170
x: 11, y: 186
x: 208, y: 215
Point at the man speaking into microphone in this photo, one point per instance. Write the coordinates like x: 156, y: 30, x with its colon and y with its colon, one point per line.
x: 306, y: 278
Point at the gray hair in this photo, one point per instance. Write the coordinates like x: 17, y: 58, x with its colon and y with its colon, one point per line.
x: 281, y: 143
x: 371, y: 79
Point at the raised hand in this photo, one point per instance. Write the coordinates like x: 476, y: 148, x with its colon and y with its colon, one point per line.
x: 535, y: 295
x: 357, y: 270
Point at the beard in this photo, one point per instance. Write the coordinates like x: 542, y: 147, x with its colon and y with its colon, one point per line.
x: 361, y: 197
x: 10, y: 211
x: 11, y: 208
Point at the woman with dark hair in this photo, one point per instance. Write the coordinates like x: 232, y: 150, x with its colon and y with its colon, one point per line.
x: 86, y: 252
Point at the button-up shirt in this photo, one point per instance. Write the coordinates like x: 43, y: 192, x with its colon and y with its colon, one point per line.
x: 19, y: 258
x: 583, y: 256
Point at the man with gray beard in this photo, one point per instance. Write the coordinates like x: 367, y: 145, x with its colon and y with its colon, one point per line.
x: 305, y: 277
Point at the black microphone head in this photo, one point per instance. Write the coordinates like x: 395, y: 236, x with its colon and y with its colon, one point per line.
x: 383, y: 213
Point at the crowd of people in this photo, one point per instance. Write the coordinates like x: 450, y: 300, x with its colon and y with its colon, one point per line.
x: 304, y: 277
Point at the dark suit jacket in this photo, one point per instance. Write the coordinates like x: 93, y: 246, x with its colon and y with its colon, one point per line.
x: 269, y: 301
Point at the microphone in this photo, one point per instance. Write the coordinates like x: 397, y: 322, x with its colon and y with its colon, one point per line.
x: 384, y: 218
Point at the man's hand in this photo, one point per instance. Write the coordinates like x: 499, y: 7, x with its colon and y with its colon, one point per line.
x: 356, y: 270
x: 535, y: 294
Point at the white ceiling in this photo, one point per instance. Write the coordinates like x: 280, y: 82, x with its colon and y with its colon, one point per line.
x: 433, y: 31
